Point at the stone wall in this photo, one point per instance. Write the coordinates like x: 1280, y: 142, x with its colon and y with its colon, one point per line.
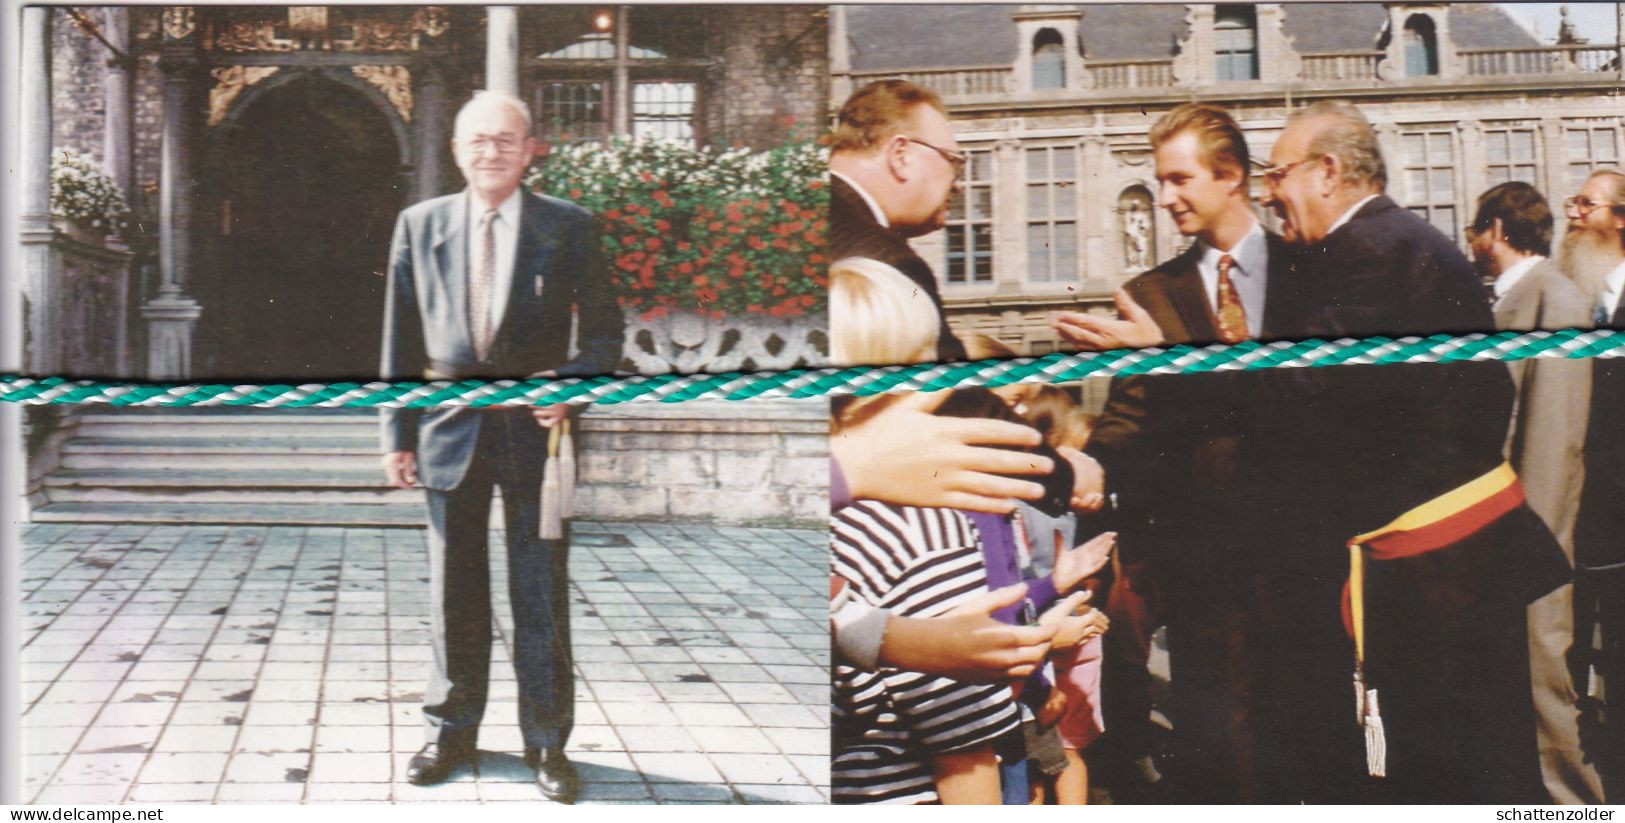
x: 78, y: 66
x: 758, y: 463
x: 775, y: 75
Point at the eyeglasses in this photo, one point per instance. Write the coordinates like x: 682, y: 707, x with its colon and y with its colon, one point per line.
x: 954, y: 158
x: 1582, y: 206
x: 502, y: 145
x: 1275, y: 175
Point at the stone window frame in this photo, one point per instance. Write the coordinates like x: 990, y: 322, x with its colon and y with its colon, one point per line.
x: 1049, y: 59
x: 1419, y: 39
x: 1599, y: 132
x: 1228, y: 20
x: 1432, y: 200
x: 972, y: 266
x: 1497, y: 172
x: 1057, y: 190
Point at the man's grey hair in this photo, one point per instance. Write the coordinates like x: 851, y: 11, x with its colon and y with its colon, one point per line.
x: 1347, y: 136
x: 485, y: 98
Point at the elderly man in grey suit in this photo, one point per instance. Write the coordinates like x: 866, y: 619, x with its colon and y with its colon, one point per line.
x: 1511, y: 237
x: 484, y: 283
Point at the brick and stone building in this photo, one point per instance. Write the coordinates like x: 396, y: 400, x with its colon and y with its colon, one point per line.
x: 1054, y: 102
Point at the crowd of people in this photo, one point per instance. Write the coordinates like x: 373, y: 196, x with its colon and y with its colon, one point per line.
x: 1440, y: 536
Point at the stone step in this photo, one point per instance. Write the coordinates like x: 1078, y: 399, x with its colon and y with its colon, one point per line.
x: 235, y: 428
x: 190, y: 477
x: 192, y: 485
x: 382, y: 515
x: 194, y: 443
x: 235, y: 495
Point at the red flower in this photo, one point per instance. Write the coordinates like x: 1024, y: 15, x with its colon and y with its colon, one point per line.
x: 646, y: 177
x: 662, y: 225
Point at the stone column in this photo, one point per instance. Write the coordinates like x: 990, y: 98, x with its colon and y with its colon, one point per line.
x: 623, y: 80
x: 37, y: 348
x: 116, y: 98
x: 171, y: 314
x: 1473, y: 174
x: 1556, y: 172
x: 502, y: 49
x: 1009, y: 218
x: 433, y: 126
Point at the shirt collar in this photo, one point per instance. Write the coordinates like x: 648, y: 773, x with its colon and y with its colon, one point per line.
x: 1246, y: 256
x: 1511, y: 276
x: 1349, y: 215
x: 507, y: 210
x: 1615, y: 283
x: 880, y: 216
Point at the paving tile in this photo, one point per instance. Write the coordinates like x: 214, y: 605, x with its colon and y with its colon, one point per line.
x: 260, y: 767
x: 173, y: 793
x: 185, y: 768
x: 732, y: 739
x: 182, y: 739
x: 99, y: 769
x: 709, y: 714
x: 687, y: 768
x: 757, y: 768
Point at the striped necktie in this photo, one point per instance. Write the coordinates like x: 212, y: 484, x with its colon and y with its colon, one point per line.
x: 480, y: 284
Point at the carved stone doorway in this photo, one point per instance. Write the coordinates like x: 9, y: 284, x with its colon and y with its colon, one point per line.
x: 303, y: 188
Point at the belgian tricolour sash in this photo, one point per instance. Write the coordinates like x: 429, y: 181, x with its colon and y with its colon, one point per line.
x: 1436, y: 524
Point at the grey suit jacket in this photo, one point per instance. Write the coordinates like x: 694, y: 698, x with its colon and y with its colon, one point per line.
x: 1547, y: 440
x: 558, y: 274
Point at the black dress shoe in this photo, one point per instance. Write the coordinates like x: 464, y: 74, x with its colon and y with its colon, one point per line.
x: 555, y: 774
x: 434, y: 763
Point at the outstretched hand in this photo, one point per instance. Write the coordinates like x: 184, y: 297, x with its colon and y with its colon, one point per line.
x: 906, y: 455
x: 1133, y: 328
x: 967, y: 643
x: 1074, y: 565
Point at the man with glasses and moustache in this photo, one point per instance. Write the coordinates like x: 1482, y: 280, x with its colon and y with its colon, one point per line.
x: 1594, y: 256
x: 1402, y: 548
x: 1510, y: 239
x: 482, y: 284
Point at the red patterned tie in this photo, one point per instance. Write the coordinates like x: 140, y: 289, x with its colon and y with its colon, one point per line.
x: 1232, y: 317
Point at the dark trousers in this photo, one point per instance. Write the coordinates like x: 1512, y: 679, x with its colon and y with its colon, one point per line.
x: 460, y: 579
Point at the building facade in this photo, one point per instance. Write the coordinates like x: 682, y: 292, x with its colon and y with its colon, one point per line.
x: 1053, y: 104
x: 265, y: 151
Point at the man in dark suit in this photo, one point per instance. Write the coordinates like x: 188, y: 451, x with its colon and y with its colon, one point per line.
x: 1404, y: 464
x: 483, y: 283
x: 1170, y: 447
x: 893, y: 166
x: 1594, y: 254
x: 1510, y: 238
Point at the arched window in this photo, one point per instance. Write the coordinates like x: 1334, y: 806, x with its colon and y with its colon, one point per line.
x: 1235, y: 42
x: 1420, y: 42
x: 1135, y: 219
x: 1049, y: 60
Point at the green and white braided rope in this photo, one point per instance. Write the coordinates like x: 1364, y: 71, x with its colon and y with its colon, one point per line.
x: 828, y: 382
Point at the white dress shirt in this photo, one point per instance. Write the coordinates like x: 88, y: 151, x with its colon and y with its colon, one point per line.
x: 1250, y: 266
x: 1511, y: 276
x: 874, y: 205
x: 1613, y: 285
x: 505, y: 228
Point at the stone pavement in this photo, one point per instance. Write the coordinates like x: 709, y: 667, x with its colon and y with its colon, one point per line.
x: 286, y: 664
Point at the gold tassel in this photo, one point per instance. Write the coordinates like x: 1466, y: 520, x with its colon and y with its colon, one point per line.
x: 552, y: 526
x: 567, y: 470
